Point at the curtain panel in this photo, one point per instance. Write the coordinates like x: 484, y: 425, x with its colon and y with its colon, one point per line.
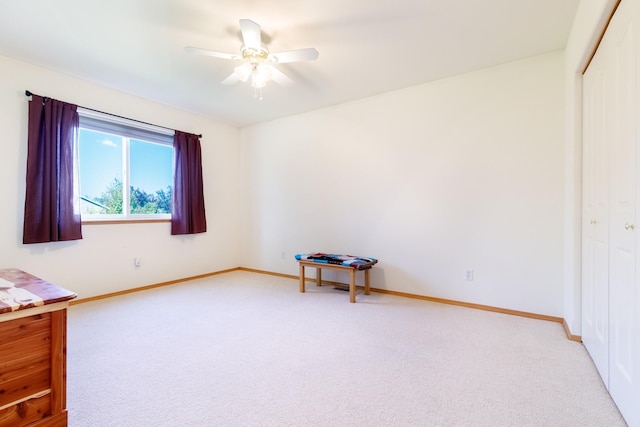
x: 188, y: 214
x: 52, y: 203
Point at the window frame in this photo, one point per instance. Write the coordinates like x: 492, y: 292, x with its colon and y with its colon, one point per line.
x: 128, y: 129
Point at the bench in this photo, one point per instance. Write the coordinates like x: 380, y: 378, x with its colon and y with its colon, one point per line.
x: 349, y: 263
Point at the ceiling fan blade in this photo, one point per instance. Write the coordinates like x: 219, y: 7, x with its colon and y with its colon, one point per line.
x: 281, y: 78
x: 308, y: 54
x: 213, y: 53
x: 231, y: 80
x: 250, y: 34
x: 241, y: 72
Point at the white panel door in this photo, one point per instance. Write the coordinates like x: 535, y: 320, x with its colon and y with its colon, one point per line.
x: 624, y: 357
x: 595, y: 218
x: 611, y: 224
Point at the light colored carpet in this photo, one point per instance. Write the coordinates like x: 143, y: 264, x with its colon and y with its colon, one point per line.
x: 247, y: 349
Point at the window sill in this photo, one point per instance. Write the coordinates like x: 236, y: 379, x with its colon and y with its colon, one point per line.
x: 123, y: 221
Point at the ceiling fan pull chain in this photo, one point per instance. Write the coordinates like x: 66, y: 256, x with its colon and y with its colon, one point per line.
x: 257, y: 93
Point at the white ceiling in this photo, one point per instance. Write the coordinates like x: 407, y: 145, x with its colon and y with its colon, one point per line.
x: 366, y: 47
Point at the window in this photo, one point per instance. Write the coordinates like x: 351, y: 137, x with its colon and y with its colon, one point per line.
x: 126, y: 169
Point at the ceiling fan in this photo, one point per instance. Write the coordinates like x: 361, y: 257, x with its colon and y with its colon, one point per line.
x: 258, y: 65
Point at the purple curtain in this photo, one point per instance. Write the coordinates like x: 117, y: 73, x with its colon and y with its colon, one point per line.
x: 52, y: 202
x: 187, y: 215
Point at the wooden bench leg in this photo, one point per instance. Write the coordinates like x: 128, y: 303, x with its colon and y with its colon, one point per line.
x: 367, y: 283
x: 301, y: 277
x: 352, y: 285
x: 318, y: 276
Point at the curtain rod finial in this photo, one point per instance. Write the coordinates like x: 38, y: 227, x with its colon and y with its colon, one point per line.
x: 28, y: 92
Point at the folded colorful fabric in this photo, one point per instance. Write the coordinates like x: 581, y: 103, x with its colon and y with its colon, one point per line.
x: 357, y: 262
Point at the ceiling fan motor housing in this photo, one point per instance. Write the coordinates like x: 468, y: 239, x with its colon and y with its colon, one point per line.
x: 255, y: 56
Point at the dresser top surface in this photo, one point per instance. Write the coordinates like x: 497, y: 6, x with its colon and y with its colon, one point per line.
x: 20, y: 290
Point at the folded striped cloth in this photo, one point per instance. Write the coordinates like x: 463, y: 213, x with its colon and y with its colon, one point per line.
x: 357, y: 262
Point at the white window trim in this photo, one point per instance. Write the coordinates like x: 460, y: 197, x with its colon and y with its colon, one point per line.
x: 128, y: 217
x: 124, y: 121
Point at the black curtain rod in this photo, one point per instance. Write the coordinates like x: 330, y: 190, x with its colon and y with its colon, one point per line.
x: 29, y: 93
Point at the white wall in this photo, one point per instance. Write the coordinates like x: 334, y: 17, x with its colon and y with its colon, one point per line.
x: 103, y: 261
x: 590, y: 20
x: 462, y: 173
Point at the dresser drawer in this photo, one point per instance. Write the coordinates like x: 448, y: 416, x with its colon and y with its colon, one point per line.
x: 27, y: 412
x: 25, y: 369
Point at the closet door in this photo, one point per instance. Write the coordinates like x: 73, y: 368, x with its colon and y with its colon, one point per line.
x: 595, y: 217
x: 611, y: 285
x: 624, y: 354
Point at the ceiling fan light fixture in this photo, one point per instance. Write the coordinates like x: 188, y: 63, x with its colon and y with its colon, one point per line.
x: 264, y: 71
x: 258, y: 84
x: 260, y: 75
x: 244, y: 71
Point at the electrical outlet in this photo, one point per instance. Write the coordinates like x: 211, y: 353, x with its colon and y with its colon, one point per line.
x: 468, y: 275
x: 137, y: 261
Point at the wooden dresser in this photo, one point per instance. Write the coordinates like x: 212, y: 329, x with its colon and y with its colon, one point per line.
x: 33, y: 340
